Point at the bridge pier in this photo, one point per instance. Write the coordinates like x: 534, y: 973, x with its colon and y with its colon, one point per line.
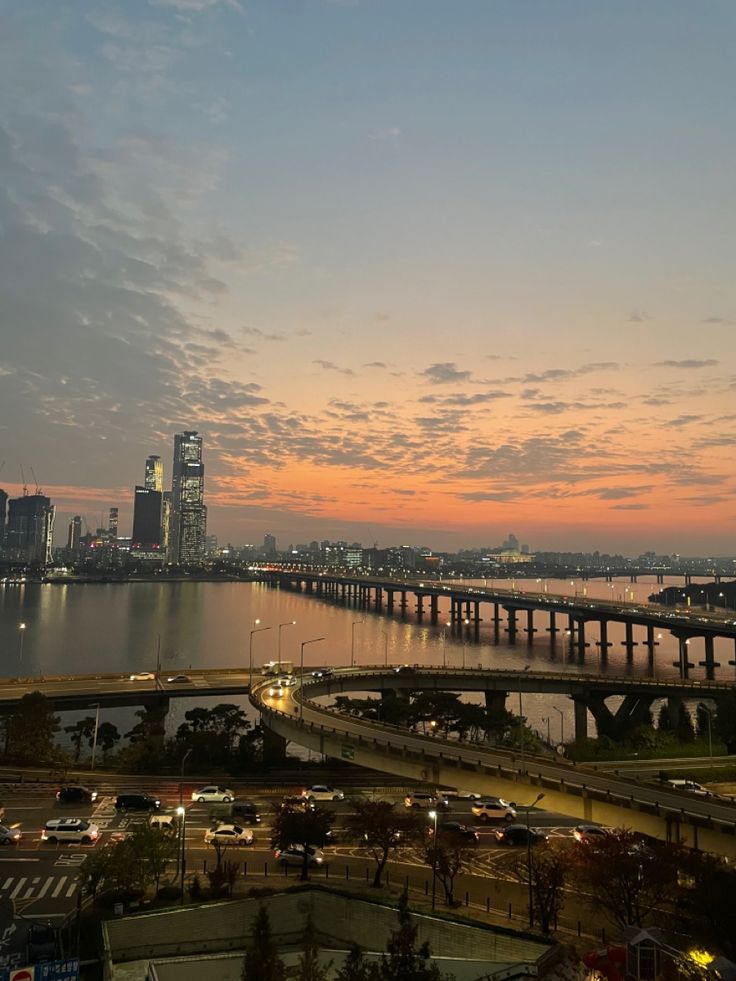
x: 710, y: 664
x: 581, y: 719
x: 389, y: 601
x: 629, y: 643
x: 274, y: 747
x: 433, y: 610
x: 476, y: 619
x: 683, y: 662
x: 378, y: 603
x: 580, y: 642
x: 511, y: 628
x: 403, y: 604
x: 420, y: 606
x: 530, y: 629
x: 651, y: 642
x: 604, y: 643
x: 552, y: 629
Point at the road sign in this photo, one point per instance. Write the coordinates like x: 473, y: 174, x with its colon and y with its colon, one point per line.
x: 66, y: 970
x: 22, y: 974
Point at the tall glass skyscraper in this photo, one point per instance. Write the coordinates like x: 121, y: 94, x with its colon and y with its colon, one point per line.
x: 188, y: 520
x: 154, y: 474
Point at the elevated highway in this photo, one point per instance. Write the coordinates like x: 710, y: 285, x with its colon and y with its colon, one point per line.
x: 580, y: 791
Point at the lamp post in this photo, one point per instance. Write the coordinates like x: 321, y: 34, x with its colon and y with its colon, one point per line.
x: 529, y: 867
x: 255, y: 630
x: 94, y: 737
x: 182, y: 815
x: 353, y: 625
x: 22, y: 630
x: 444, y: 643
x: 562, y: 724
x: 315, y: 640
x: 181, y: 775
x: 433, y: 815
x: 521, y: 722
x: 286, y: 623
x: 704, y: 708
x: 549, y: 735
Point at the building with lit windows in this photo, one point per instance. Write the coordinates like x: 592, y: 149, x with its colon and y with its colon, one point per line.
x: 154, y: 479
x: 30, y: 529
x: 188, y: 515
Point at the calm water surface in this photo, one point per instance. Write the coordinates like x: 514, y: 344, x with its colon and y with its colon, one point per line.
x: 116, y: 627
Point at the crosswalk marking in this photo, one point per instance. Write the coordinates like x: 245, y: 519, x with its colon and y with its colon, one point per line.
x: 18, y: 888
x: 45, y: 888
x: 27, y: 889
x: 59, y: 887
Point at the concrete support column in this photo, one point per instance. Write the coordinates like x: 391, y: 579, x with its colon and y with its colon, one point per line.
x: 710, y: 664
x: 390, y: 600
x: 433, y: 609
x: 683, y: 662
x: 552, y: 628
x: 629, y: 643
x: 581, y: 719
x: 274, y: 747
x: 511, y: 628
x: 580, y: 638
x: 604, y: 642
x: 378, y: 604
x: 420, y: 606
x: 476, y: 619
x: 496, y: 615
x: 530, y: 629
x: 651, y: 642
x: 403, y: 603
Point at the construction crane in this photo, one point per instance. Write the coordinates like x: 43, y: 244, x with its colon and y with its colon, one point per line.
x: 23, y: 478
x: 35, y: 481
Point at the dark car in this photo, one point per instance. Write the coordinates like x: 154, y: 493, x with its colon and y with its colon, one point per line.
x: 245, y: 812
x: 137, y: 802
x: 75, y: 794
x: 455, y: 829
x: 405, y: 669
x: 518, y: 834
x: 323, y: 673
x: 589, y: 832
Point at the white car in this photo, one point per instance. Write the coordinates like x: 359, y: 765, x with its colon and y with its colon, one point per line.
x: 321, y: 791
x: 425, y: 801
x: 494, y: 809
x: 70, y: 829
x: 143, y: 676
x: 229, y: 834
x: 462, y: 795
x: 294, y: 855
x: 276, y: 691
x: 212, y: 794
x: 287, y: 681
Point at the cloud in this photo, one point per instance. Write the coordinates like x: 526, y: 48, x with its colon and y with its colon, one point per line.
x: 388, y: 133
x: 500, y: 496
x: 331, y: 366
x: 681, y: 421
x: 444, y: 372
x: 618, y: 493
x: 376, y: 364
x: 262, y: 334
x: 716, y: 320
x: 197, y: 6
x: 639, y: 317
x: 688, y: 363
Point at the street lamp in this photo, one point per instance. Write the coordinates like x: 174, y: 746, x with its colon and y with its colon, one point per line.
x: 549, y: 735
x: 521, y: 717
x: 255, y: 630
x: 529, y: 868
x: 94, y: 737
x: 181, y: 775
x: 22, y: 629
x: 704, y: 708
x: 444, y: 643
x: 353, y: 625
x: 301, y: 674
x: 562, y: 724
x: 182, y: 815
x: 433, y: 815
x: 287, y: 623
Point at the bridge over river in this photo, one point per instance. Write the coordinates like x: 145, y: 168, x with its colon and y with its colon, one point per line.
x: 466, y: 604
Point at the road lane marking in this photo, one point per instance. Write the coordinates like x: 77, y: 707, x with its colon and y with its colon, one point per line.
x: 18, y: 888
x: 45, y: 887
x: 59, y: 887
x: 7, y: 882
x: 71, y: 890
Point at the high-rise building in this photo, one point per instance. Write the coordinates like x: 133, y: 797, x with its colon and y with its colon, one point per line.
x: 166, y: 523
x: 146, y: 518
x: 30, y: 529
x: 75, y: 533
x: 188, y: 521
x: 112, y: 523
x: 269, y: 546
x: 154, y: 474
x: 3, y: 512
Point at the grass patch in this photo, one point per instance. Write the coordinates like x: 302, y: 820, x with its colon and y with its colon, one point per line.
x: 645, y: 744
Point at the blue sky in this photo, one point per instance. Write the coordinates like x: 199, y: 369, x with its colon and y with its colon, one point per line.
x: 426, y: 270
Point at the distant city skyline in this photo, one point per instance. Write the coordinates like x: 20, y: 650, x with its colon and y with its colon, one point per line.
x: 417, y: 272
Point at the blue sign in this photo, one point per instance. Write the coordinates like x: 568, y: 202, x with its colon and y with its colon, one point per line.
x: 66, y: 970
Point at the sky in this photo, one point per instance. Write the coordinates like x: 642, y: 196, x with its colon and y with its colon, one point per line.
x: 419, y: 271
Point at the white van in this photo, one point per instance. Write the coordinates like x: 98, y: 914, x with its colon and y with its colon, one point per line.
x: 166, y: 822
x: 690, y: 786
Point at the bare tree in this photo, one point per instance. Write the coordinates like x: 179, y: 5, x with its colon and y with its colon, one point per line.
x: 548, y: 868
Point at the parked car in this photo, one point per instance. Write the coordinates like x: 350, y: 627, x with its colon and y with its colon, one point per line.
x: 165, y: 822
x: 493, y: 809
x: 589, y: 832
x: 458, y: 830
x: 206, y: 795
x: 70, y: 829
x: 178, y: 679
x: 137, y: 802
x: 425, y: 801
x: 143, y: 676
x: 322, y: 791
x: 10, y: 836
x: 245, y: 812
x: 76, y: 794
x: 294, y: 855
x: 517, y: 834
x: 229, y: 834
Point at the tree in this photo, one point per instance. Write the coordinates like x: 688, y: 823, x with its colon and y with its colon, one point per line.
x: 309, y: 967
x: 79, y: 732
x: 356, y: 968
x: 664, y: 719
x: 549, y: 868
x: 107, y: 736
x: 262, y: 961
x: 403, y: 961
x: 382, y: 829
x: 471, y: 721
x: 294, y: 826
x: 725, y: 721
x: 707, y: 913
x: 32, y: 728
x: 133, y: 864
x: 448, y: 855
x: 684, y: 730
x: 628, y: 875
